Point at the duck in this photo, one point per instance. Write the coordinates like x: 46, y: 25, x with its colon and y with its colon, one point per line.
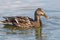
x: 25, y: 21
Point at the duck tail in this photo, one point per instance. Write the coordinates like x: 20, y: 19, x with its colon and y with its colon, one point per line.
x: 3, y: 22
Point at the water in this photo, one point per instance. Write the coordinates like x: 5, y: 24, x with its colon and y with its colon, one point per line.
x: 50, y: 29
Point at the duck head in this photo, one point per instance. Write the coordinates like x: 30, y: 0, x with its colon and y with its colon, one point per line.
x: 39, y: 12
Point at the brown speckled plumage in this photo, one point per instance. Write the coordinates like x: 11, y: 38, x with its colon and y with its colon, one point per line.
x: 25, y: 21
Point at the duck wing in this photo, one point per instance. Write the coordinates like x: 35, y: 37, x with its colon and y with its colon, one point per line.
x: 22, y: 19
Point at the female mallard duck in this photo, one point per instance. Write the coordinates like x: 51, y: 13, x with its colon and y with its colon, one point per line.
x: 21, y: 21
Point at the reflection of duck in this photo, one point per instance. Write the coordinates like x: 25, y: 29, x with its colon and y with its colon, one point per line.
x: 26, y: 21
x: 38, y: 33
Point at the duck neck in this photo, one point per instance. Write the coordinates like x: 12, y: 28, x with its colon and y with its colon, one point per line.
x: 37, y: 18
x: 38, y: 22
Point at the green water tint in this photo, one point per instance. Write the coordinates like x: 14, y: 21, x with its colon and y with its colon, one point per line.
x: 38, y: 30
x: 38, y: 33
x: 14, y: 27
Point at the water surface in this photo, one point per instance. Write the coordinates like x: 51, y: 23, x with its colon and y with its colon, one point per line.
x: 50, y: 29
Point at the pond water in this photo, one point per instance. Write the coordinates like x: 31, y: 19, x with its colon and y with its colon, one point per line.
x: 50, y: 28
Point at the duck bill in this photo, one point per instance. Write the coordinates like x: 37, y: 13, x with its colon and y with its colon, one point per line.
x: 46, y: 16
